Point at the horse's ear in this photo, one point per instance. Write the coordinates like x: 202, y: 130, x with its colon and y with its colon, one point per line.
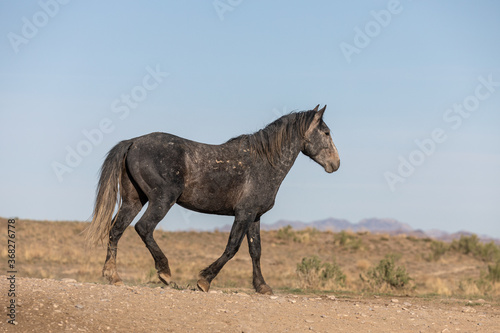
x: 321, y: 112
x: 317, y: 118
x: 319, y: 115
x: 316, y: 108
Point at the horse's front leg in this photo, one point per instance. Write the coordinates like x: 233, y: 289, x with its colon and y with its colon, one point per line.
x: 253, y: 237
x: 238, y: 231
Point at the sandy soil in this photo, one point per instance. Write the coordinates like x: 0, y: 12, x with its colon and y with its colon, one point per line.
x: 47, y: 305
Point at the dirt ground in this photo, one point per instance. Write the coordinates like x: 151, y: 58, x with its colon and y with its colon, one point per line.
x: 48, y: 305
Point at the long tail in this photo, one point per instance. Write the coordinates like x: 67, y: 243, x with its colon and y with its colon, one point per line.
x: 107, y: 194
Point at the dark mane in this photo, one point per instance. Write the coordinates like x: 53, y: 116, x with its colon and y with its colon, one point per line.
x: 267, y: 142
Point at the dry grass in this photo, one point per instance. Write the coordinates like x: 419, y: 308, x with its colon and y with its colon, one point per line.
x: 57, y: 250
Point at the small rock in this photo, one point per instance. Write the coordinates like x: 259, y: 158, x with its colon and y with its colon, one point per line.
x: 292, y: 301
x: 68, y: 280
x: 309, y: 321
x: 273, y: 297
x: 243, y: 295
x: 79, y: 306
x: 331, y: 297
x: 394, y: 300
x: 468, y: 309
x: 55, y: 306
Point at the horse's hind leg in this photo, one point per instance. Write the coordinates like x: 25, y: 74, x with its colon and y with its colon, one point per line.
x: 122, y: 220
x: 132, y: 202
x: 157, y: 209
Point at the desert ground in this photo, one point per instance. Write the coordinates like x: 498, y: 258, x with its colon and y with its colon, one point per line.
x: 322, y: 281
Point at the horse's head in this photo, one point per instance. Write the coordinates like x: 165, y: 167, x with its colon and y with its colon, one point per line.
x: 318, y: 143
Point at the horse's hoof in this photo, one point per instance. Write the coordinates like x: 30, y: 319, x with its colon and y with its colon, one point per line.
x: 264, y: 289
x: 164, y: 277
x: 112, y: 278
x: 203, y: 285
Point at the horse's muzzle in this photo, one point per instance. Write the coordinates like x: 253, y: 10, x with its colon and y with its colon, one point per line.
x: 332, y: 166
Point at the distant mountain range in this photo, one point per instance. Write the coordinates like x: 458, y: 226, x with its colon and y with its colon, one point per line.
x: 373, y: 225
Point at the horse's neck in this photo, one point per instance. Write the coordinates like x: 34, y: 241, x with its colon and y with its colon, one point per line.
x: 281, y: 164
x: 289, y: 152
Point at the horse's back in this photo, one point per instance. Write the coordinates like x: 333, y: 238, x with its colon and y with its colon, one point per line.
x: 208, y: 178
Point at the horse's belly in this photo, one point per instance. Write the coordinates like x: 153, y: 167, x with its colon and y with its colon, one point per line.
x: 207, y: 202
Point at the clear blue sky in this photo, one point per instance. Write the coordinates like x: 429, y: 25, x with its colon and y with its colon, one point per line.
x: 390, y: 72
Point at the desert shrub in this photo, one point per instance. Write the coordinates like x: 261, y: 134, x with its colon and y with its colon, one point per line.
x: 484, y: 285
x: 438, y: 249
x: 298, y: 236
x: 494, y: 272
x: 490, y: 252
x: 306, y: 235
x: 481, y: 286
x: 467, y: 244
x: 472, y: 245
x: 348, y: 240
x: 471, y: 287
x: 314, y: 274
x: 332, y: 272
x: 341, y: 237
x: 387, y: 274
x: 286, y: 233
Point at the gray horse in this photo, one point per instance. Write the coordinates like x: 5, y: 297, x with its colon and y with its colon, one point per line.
x: 238, y: 178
